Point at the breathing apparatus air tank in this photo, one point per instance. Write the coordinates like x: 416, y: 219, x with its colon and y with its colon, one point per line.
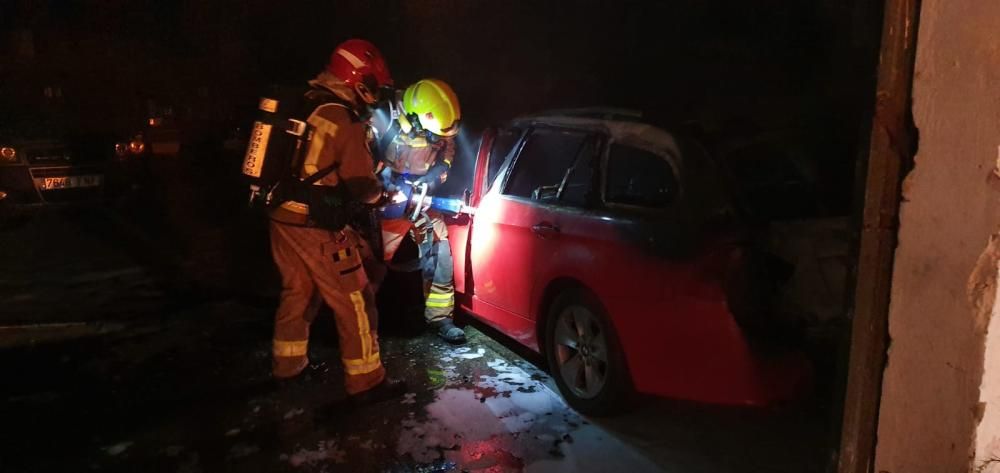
x: 276, y: 140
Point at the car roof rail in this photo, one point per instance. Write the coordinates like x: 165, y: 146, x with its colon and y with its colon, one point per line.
x: 602, y: 113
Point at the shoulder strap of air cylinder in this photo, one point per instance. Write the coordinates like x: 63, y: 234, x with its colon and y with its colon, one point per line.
x: 299, y: 126
x: 387, y: 138
x: 314, y: 178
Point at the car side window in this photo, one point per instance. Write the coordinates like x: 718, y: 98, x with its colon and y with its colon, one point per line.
x: 503, y: 143
x: 578, y: 190
x: 543, y: 162
x: 639, y: 177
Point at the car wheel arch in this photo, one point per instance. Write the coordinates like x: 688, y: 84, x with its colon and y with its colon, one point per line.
x: 552, y: 290
x: 575, y: 290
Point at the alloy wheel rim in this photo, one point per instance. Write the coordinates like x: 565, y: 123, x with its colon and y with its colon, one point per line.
x: 581, y: 351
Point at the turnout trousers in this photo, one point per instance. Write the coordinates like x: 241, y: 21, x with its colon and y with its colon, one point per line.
x: 430, y: 234
x: 325, y: 266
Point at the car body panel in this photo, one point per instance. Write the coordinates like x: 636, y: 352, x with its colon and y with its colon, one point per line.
x: 496, y: 266
x: 669, y: 308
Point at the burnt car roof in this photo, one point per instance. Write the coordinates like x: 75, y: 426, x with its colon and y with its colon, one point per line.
x: 625, y: 125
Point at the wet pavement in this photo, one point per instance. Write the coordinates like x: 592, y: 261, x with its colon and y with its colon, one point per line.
x: 190, y: 397
x: 126, y: 372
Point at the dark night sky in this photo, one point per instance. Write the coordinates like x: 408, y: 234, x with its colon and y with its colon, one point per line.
x: 765, y: 64
x: 504, y: 58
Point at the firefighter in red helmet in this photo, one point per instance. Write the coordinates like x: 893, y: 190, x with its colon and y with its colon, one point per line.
x: 317, y: 251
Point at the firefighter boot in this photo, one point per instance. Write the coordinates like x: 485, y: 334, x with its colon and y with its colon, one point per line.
x: 384, y: 391
x: 447, y: 330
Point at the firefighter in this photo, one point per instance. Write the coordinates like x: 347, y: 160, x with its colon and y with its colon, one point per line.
x: 421, y: 154
x: 317, y: 254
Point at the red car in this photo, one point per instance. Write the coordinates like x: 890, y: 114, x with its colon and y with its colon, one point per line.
x: 605, y: 243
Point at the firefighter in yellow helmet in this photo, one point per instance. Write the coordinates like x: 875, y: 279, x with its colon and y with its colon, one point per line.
x: 421, y: 154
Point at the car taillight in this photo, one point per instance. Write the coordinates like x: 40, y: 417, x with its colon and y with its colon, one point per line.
x: 8, y: 154
x: 121, y: 149
x: 136, y: 146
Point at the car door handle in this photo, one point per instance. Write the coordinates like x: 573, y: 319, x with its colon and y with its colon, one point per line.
x: 545, y: 230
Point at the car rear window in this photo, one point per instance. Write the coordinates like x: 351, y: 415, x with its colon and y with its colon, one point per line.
x: 639, y: 177
x: 543, y: 162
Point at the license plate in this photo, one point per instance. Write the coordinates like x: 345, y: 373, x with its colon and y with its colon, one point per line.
x: 66, y: 182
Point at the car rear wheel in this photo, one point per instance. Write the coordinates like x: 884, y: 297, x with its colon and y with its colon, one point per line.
x: 585, y: 356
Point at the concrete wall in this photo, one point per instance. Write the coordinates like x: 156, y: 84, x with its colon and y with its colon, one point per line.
x: 987, y: 457
x: 945, y: 270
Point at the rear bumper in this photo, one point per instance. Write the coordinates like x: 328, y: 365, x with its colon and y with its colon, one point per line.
x: 93, y: 198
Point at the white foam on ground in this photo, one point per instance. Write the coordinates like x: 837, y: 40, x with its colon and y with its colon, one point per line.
x: 118, y: 448
x: 325, y: 450
x: 472, y: 356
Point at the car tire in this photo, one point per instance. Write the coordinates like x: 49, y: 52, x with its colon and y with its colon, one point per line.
x: 584, y: 355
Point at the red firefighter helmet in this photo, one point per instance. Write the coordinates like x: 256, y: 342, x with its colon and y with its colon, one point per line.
x: 359, y: 61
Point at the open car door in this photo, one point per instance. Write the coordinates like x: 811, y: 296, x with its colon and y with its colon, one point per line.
x: 460, y: 226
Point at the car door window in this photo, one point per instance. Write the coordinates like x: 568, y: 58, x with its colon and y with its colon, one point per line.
x: 577, y: 191
x: 640, y: 178
x: 543, y: 162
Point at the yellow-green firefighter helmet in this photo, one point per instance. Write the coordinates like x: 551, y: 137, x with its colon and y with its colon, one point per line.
x: 430, y: 105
